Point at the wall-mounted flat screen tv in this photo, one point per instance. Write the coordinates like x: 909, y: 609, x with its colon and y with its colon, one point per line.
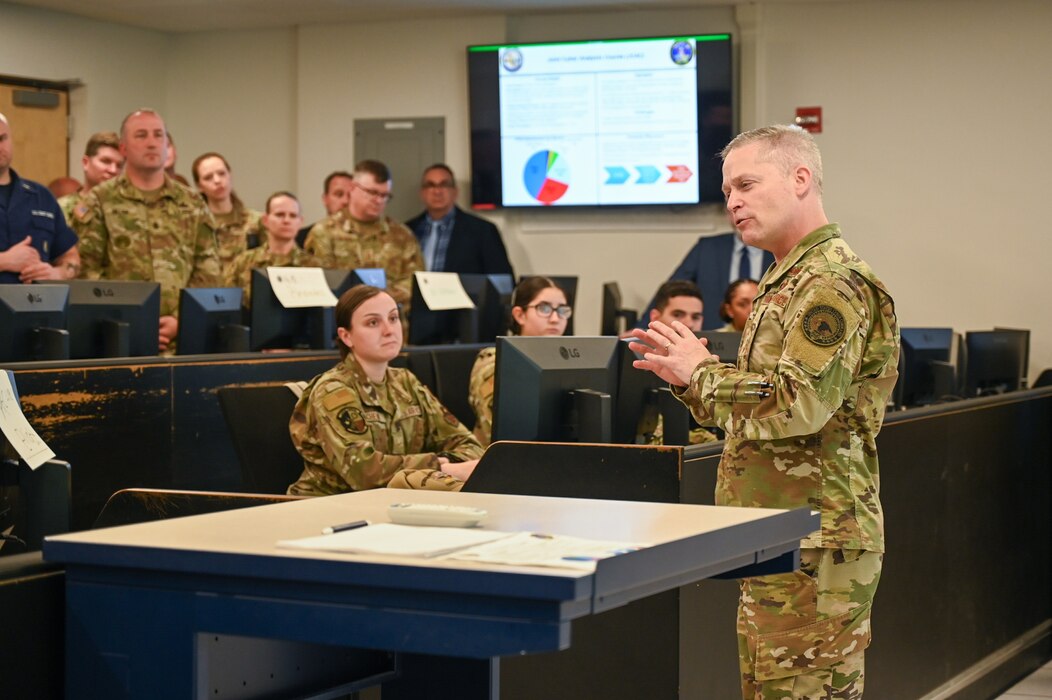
x: 600, y: 123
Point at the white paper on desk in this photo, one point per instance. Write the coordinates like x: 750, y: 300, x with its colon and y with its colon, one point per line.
x: 298, y: 287
x: 397, y: 540
x: 530, y: 549
x: 442, y: 291
x: 17, y: 429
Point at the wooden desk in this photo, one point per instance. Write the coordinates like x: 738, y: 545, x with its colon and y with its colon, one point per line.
x: 156, y: 609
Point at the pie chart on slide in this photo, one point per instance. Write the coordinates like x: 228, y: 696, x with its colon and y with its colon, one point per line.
x: 547, y: 176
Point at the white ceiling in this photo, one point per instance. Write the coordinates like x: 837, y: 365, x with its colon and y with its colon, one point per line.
x: 204, y: 15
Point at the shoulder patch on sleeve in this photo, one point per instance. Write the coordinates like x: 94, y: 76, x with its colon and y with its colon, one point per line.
x: 352, y: 420
x: 825, y: 323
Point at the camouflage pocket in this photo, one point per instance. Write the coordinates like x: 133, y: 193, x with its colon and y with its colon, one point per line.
x: 817, y: 645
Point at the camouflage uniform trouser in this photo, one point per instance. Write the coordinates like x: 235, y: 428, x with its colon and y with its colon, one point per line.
x: 428, y: 479
x: 804, y: 634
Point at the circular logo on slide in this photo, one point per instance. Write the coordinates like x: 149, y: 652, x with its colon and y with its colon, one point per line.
x: 546, y: 176
x: 682, y: 53
x: 511, y: 59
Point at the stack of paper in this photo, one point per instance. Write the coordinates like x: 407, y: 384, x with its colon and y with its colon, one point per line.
x: 468, y: 544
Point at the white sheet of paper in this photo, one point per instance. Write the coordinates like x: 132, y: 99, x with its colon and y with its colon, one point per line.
x: 533, y: 549
x: 397, y: 540
x: 17, y: 429
x: 299, y: 287
x: 443, y: 291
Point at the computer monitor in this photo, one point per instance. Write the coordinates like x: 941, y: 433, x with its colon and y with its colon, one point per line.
x: 641, y: 393
x: 555, y: 389
x: 275, y: 327
x: 210, y: 321
x: 995, y: 361
x: 723, y: 343
x: 926, y: 354
x: 612, y: 314
x: 491, y: 295
x: 340, y: 281
x: 113, y: 318
x: 33, y: 322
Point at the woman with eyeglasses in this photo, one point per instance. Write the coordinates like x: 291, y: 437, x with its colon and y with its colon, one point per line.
x: 538, y: 307
x: 364, y: 424
x: 238, y: 228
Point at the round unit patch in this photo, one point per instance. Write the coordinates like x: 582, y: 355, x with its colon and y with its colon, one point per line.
x: 352, y: 420
x: 823, y: 325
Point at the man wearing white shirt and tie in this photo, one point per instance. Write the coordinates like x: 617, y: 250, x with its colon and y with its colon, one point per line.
x: 453, y: 240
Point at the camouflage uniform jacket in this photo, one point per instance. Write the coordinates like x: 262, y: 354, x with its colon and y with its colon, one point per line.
x: 480, y: 393
x: 233, y: 230
x: 343, y: 242
x: 163, y: 236
x: 239, y: 272
x: 355, y: 435
x: 817, y: 361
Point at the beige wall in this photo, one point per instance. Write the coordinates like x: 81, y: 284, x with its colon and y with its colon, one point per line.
x: 932, y: 141
x: 235, y: 93
x: 936, y: 147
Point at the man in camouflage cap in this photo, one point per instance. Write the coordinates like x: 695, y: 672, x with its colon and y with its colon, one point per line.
x: 361, y: 236
x: 142, y: 225
x: 801, y: 410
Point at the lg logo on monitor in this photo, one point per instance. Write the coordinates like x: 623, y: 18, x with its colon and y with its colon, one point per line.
x: 568, y: 353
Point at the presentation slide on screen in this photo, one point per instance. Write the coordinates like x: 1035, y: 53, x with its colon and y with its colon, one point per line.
x: 599, y: 123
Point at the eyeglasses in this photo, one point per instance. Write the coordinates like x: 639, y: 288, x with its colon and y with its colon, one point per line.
x: 437, y: 185
x: 546, y: 309
x: 376, y: 194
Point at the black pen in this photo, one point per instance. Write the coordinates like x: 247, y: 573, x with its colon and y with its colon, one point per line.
x: 333, y: 529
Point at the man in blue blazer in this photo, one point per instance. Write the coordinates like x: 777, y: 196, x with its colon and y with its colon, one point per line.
x: 452, y: 239
x: 712, y: 264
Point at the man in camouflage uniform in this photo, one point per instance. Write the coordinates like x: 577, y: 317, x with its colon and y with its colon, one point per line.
x: 361, y: 236
x: 102, y: 161
x: 801, y: 410
x: 142, y: 225
x: 281, y: 221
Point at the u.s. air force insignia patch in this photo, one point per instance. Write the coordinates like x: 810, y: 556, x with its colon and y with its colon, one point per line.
x: 352, y: 420
x: 823, y: 325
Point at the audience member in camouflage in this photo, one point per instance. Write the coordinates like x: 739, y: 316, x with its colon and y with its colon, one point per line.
x: 801, y: 410
x: 280, y: 223
x: 361, y: 236
x: 480, y: 393
x: 144, y: 226
x: 102, y: 161
x: 538, y: 308
x: 237, y: 228
x: 364, y: 425
x: 164, y: 236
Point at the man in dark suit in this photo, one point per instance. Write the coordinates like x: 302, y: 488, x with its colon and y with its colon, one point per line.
x: 712, y: 264
x: 452, y: 239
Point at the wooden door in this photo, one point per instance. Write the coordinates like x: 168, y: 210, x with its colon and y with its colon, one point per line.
x: 39, y: 119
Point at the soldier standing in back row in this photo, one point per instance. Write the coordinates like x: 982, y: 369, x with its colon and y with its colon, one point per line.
x: 361, y: 236
x: 801, y: 410
x: 142, y: 225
